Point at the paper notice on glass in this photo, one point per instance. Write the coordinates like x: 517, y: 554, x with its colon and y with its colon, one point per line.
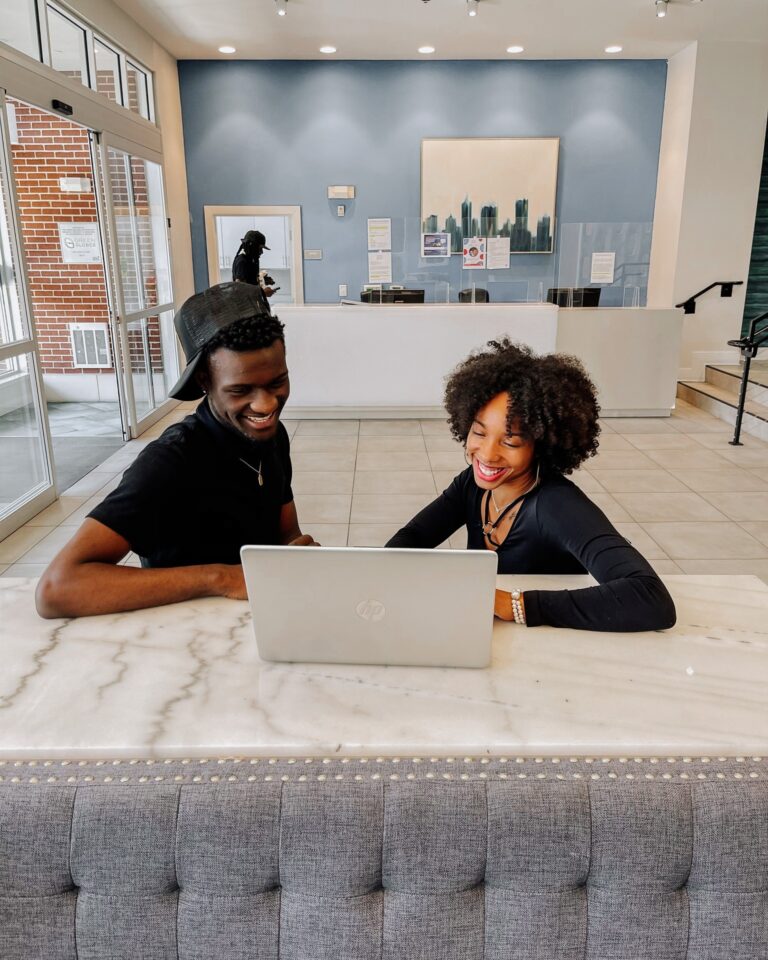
x: 380, y: 234
x: 498, y: 253
x: 435, y: 244
x: 80, y: 242
x: 474, y: 253
x: 380, y: 266
x: 603, y: 267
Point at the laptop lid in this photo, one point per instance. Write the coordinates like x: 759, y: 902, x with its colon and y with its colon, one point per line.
x: 372, y: 605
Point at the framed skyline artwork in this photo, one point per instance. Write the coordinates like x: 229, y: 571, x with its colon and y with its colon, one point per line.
x: 491, y: 187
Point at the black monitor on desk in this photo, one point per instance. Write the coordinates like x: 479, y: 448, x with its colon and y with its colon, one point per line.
x: 574, y: 296
x: 392, y: 296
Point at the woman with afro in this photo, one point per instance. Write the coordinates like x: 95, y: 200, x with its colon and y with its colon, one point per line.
x: 525, y: 422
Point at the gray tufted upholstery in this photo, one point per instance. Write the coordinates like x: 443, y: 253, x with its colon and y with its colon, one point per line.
x: 459, y: 869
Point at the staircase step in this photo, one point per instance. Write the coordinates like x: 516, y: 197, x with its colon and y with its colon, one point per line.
x: 728, y: 376
x: 723, y: 403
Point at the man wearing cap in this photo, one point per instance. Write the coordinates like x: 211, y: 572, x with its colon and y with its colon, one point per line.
x: 245, y: 266
x: 217, y: 480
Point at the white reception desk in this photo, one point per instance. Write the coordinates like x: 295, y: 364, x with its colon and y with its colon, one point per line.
x: 391, y: 360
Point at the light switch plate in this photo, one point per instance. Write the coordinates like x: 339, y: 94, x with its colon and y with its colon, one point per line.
x: 342, y: 290
x: 340, y: 210
x: 313, y: 254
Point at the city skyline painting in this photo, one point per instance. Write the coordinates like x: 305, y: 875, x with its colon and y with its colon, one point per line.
x: 491, y: 187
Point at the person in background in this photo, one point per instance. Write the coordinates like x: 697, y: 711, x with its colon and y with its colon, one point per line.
x: 526, y: 422
x: 246, y: 265
x: 218, y: 480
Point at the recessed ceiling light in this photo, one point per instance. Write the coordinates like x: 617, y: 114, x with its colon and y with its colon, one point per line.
x: 661, y: 8
x: 327, y: 49
x: 614, y: 49
x: 426, y: 49
x: 472, y: 6
x: 227, y: 50
x: 515, y: 49
x: 281, y: 11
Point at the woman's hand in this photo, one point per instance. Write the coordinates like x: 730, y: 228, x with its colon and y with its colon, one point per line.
x: 502, y: 605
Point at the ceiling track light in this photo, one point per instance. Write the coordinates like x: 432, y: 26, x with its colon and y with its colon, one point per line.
x: 281, y: 7
x: 472, y: 6
x: 661, y: 8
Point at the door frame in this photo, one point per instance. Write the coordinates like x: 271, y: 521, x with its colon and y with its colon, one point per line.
x: 212, y: 244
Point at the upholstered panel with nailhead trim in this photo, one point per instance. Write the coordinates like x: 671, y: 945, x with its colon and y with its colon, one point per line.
x: 290, y: 859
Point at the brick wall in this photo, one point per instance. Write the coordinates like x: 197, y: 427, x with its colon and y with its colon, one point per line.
x: 49, y: 148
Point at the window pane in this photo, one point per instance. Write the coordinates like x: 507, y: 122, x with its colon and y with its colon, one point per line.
x: 107, y: 71
x: 18, y: 27
x: 67, y: 46
x: 12, y: 326
x: 138, y: 91
x: 152, y: 358
x: 23, y: 470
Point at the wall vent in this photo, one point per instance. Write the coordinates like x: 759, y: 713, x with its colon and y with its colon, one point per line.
x: 90, y: 344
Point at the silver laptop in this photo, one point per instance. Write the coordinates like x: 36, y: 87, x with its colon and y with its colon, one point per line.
x: 370, y: 605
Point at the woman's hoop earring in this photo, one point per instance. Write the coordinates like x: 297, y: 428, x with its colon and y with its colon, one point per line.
x: 467, y: 460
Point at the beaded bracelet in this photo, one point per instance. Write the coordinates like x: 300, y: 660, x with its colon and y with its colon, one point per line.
x: 518, y: 610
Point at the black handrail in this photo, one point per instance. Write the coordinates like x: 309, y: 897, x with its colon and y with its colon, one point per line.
x: 726, y: 290
x: 748, y: 346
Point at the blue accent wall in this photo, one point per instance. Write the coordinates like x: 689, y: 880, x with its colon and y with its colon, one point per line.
x: 280, y: 132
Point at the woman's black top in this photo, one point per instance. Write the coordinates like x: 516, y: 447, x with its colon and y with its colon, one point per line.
x: 557, y: 530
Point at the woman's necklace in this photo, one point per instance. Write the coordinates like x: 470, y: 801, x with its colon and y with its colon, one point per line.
x: 501, y: 512
x: 256, y: 470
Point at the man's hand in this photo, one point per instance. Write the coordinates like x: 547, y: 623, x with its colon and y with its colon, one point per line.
x: 231, y: 581
x: 267, y: 291
x: 502, y: 605
x: 303, y: 541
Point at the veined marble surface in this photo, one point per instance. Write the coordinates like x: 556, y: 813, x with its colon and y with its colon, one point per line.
x: 185, y: 681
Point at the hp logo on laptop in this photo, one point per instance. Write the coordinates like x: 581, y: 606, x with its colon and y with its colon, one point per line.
x: 372, y: 610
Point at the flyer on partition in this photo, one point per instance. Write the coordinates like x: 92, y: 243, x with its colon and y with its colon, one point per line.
x: 603, y: 267
x: 380, y: 234
x: 474, y: 253
x: 498, y: 253
x: 380, y: 266
x: 435, y: 244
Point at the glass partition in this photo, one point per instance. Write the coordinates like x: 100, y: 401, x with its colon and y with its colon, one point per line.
x: 607, y: 260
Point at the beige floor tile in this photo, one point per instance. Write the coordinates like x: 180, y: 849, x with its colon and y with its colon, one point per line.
x: 637, y: 481
x: 756, y: 528
x: 311, y: 444
x: 29, y: 570
x: 328, y: 534
x: 436, y: 427
x: 444, y: 478
x: 395, y: 481
x: 325, y: 462
x: 387, y: 508
x: 291, y: 426
x: 585, y: 480
x: 3, y: 568
x: 688, y: 459
x: 729, y: 478
x: 371, y: 534
x: 705, y: 541
x: 605, y: 425
x: 77, y: 516
x: 390, y: 428
x: 621, y: 460
x: 453, y: 460
x: 322, y: 508
x: 57, y: 512
x: 740, y: 506
x: 391, y: 445
x: 91, y: 483
x: 21, y: 541
x: 322, y: 481
x: 757, y: 568
x: 392, y: 461
x: 641, y: 540
x: 696, y: 425
x: 610, y: 507
x: 613, y: 441
x: 648, y: 507
x: 327, y: 428
x: 717, y: 440
x: 443, y: 445
x: 755, y: 455
x: 635, y: 425
x: 46, y: 549
x: 674, y: 440
x: 662, y: 566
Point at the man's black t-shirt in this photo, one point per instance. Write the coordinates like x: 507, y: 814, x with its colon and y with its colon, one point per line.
x: 245, y: 267
x: 193, y: 495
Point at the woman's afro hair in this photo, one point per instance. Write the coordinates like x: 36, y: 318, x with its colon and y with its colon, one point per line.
x: 551, y: 401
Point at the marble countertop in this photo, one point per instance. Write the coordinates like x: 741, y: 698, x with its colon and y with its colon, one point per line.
x: 185, y: 681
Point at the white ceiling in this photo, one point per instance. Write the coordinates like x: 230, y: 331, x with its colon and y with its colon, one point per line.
x: 394, y: 29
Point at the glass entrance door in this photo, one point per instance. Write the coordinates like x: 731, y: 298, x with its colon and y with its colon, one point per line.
x: 134, y: 210
x: 26, y: 463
